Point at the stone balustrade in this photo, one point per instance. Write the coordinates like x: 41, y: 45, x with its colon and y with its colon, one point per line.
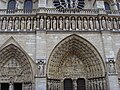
x: 61, y: 22
x: 60, y: 11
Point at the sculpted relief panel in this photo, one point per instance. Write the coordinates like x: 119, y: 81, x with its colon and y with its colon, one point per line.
x: 72, y: 67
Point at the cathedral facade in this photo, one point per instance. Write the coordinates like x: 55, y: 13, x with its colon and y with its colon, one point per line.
x: 59, y: 45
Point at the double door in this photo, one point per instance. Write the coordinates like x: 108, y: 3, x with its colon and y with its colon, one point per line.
x: 6, y: 86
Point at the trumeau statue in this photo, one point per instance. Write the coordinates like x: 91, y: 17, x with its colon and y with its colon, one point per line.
x: 16, y: 24
x: 41, y: 23
x: 22, y: 24
x: 96, y: 24
x: 28, y: 24
x: 10, y: 24
x: 4, y: 24
x: 54, y: 24
x: 91, y: 24
x: 85, y: 24
x: 48, y: 24
x: 66, y: 24
x: 79, y: 22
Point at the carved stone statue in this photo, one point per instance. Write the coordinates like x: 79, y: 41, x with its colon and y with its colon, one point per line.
x: 96, y: 24
x: 16, y: 24
x: 54, y: 24
x: 103, y: 23
x: 79, y: 22
x: 91, y: 24
x: 4, y: 24
x: 112, y: 67
x: 114, y: 24
x: 66, y: 24
x: 28, y: 24
x: 10, y: 24
x: 34, y: 24
x: 85, y: 24
x: 48, y: 24
x: 11, y: 86
x: 17, y: 4
x: 41, y: 23
x: 109, y: 24
x: 73, y: 24
x: 60, y: 24
x: 22, y: 24
x: 41, y: 67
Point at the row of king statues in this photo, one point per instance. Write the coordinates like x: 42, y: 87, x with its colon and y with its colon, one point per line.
x: 59, y: 23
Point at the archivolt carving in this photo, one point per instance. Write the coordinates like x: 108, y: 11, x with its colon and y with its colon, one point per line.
x: 14, y: 64
x: 75, y: 57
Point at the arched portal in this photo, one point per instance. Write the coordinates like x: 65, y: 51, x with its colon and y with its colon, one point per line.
x: 15, y: 69
x: 74, y: 57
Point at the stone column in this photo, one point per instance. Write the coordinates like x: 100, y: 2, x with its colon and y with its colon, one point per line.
x: 112, y: 78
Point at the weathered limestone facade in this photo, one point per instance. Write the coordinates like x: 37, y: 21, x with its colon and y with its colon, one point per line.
x: 67, y: 48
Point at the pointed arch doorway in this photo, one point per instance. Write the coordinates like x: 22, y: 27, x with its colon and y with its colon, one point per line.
x: 76, y: 59
x: 15, y: 69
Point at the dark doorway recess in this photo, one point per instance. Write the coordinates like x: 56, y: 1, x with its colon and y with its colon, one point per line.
x: 17, y: 86
x: 81, y: 84
x: 4, y: 86
x: 68, y: 84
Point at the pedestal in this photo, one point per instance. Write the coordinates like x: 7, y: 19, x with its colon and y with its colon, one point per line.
x: 40, y: 83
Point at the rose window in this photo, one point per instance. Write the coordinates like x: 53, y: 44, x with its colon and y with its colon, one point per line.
x: 60, y: 4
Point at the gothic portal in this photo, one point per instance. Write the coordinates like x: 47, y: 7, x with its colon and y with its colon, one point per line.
x: 75, y: 65
x: 15, y: 69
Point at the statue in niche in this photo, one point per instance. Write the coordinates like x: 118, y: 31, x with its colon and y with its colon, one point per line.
x: 61, y: 23
x: 109, y: 24
x: 16, y: 24
x: 10, y: 24
x: 48, y: 23
x: 114, y: 24
x: 85, y: 24
x: 35, y: 24
x: 17, y: 5
x: 54, y: 23
x: 112, y: 66
x: 41, y: 67
x: 79, y: 22
x: 41, y: 23
x: 28, y: 24
x: 91, y: 23
x: 103, y: 23
x: 4, y: 23
x: 22, y: 24
x: 66, y: 24
x: 96, y: 24
x: 73, y: 24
